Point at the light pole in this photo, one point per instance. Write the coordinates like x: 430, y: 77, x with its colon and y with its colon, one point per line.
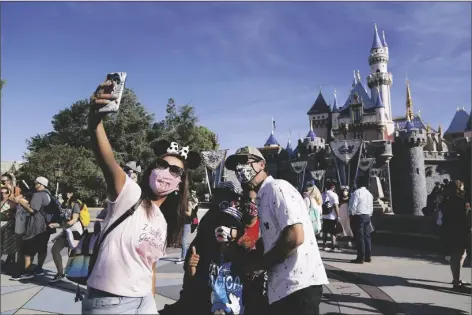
x: 58, y: 174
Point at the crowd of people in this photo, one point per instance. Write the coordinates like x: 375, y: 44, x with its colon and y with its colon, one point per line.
x: 255, y: 251
x: 28, y: 219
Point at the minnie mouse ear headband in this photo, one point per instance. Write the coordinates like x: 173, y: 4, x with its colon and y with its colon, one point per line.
x: 191, y: 158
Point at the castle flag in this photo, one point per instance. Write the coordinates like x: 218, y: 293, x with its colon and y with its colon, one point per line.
x: 273, y: 124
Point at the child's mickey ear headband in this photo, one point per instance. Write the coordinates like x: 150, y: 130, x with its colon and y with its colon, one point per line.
x: 192, y: 158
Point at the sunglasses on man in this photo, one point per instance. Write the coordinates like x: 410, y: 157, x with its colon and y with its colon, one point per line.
x: 173, y: 169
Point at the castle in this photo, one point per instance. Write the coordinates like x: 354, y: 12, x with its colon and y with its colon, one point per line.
x: 401, y: 156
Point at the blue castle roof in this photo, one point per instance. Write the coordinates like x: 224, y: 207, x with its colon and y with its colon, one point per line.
x: 416, y: 122
x: 363, y: 95
x: 289, y: 148
x: 311, y: 134
x: 409, y: 125
x: 271, y: 141
x: 459, y: 122
x: 376, y: 43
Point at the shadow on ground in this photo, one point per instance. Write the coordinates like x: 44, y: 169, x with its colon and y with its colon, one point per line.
x: 414, y: 308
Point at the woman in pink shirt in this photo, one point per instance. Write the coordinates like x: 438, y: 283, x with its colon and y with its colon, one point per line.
x: 151, y: 214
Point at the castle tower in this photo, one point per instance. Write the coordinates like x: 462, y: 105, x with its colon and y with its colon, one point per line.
x: 409, y: 143
x: 380, y: 77
x: 319, y: 117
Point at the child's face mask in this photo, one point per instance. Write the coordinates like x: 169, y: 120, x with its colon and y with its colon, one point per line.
x: 225, y: 234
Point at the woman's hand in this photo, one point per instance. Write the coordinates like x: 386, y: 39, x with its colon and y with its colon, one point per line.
x: 101, y: 97
x: 193, y: 262
x: 54, y: 225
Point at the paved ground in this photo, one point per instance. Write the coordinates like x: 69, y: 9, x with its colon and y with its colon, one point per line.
x: 397, y: 282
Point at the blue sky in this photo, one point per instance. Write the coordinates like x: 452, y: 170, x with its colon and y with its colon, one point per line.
x: 239, y: 64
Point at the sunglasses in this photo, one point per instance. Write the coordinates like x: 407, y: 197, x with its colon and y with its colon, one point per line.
x: 173, y: 169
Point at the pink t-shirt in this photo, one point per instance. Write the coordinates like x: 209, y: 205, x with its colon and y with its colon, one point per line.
x: 124, y: 263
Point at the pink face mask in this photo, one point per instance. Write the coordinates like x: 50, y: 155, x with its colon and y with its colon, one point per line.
x: 162, y: 182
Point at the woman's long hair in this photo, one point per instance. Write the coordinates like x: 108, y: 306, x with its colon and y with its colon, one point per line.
x: 173, y: 208
x: 314, y: 193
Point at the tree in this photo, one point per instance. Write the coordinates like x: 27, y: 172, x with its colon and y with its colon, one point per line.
x: 2, y: 83
x: 76, y: 165
x: 131, y: 132
x: 180, y: 125
x: 127, y: 130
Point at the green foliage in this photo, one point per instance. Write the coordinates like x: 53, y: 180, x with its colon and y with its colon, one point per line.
x: 131, y: 133
x: 68, y: 165
x: 2, y: 83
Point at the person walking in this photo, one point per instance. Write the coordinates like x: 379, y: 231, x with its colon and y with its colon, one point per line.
x: 344, y: 215
x: 457, y: 225
x: 295, y: 271
x: 36, y: 235
x: 314, y: 201
x: 361, y: 208
x: 330, y: 216
x: 72, y: 230
x: 141, y: 220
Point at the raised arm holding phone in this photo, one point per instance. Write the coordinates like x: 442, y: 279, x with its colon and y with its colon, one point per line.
x: 141, y: 219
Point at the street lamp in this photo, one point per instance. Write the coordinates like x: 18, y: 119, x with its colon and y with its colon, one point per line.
x: 58, y: 174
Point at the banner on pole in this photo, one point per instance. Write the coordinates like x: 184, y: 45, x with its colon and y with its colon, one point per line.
x: 298, y: 166
x: 345, y: 150
x: 212, y: 159
x: 366, y: 163
x: 317, y: 175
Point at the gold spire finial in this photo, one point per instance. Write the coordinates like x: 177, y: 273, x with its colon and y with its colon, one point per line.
x: 409, y: 102
x: 428, y: 128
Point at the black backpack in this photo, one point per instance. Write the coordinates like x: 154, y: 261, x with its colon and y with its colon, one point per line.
x: 52, y: 212
x: 327, y: 208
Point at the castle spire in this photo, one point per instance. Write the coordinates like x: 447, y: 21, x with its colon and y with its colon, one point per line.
x: 354, y: 82
x: 376, y: 43
x: 384, y: 42
x: 358, y: 75
x: 409, y: 102
x: 335, y: 105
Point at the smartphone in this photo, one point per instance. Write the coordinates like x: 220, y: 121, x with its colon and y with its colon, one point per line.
x: 119, y: 79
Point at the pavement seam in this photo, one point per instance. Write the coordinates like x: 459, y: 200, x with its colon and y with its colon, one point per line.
x: 29, y: 300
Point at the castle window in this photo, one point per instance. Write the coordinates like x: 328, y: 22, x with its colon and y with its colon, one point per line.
x: 378, y: 70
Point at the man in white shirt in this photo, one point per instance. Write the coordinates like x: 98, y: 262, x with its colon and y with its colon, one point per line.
x: 291, y: 255
x: 330, y: 216
x: 361, y: 207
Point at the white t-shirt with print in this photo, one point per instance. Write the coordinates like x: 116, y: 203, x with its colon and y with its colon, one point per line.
x: 281, y: 205
x: 124, y: 263
x: 333, y: 199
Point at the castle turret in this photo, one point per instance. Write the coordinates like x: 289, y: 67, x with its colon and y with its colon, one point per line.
x: 384, y: 42
x: 319, y: 116
x: 289, y: 148
x: 409, y: 143
x: 379, y: 76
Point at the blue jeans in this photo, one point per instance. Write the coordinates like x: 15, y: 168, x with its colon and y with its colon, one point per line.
x: 185, y: 244
x: 362, y: 234
x: 118, y: 305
